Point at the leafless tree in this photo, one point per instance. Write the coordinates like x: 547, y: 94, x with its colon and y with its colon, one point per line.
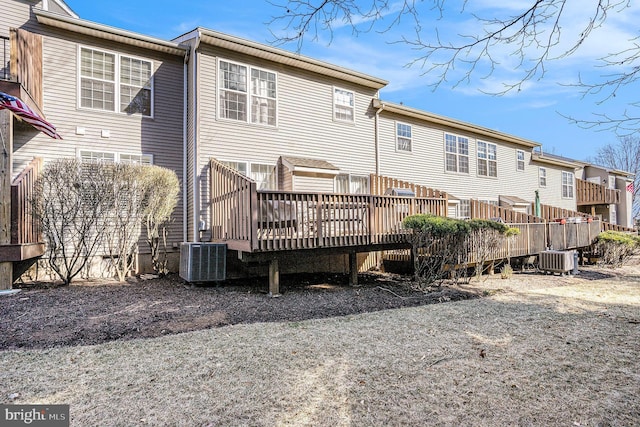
x: 623, y: 155
x: 534, y: 34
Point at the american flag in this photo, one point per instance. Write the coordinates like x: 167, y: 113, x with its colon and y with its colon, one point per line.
x: 25, y: 113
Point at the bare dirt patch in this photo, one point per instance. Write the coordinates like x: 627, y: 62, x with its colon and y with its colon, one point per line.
x: 44, y: 315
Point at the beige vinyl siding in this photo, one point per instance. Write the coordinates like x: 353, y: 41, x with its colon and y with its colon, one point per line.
x: 16, y: 14
x: 306, y: 127
x: 552, y: 193
x: 312, y: 184
x: 160, y: 136
x: 425, y: 165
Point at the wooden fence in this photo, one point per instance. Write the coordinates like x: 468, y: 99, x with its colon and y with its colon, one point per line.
x: 24, y: 229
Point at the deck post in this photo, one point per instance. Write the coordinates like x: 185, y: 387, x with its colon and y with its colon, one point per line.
x: 6, y: 169
x: 274, y: 278
x: 353, y: 269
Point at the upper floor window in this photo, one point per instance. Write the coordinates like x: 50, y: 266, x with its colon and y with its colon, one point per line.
x: 403, y: 137
x: 542, y: 177
x: 236, y: 92
x: 344, y: 105
x: 354, y: 184
x: 456, y: 153
x: 487, y: 159
x: 567, y: 185
x: 520, y: 160
x: 113, y: 82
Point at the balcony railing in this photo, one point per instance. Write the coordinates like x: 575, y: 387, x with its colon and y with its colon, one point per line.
x: 590, y: 193
x: 5, y: 57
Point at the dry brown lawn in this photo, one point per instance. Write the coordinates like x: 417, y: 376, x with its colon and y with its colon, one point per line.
x: 538, y: 350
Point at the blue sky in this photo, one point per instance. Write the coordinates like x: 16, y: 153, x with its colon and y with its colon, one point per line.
x: 532, y: 113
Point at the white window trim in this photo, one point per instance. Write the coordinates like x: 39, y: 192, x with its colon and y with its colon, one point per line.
x: 333, y: 105
x: 457, y: 154
x: 248, y: 93
x: 116, y: 155
x: 518, y: 161
x: 478, y: 174
x: 572, y: 185
x: 410, y: 139
x: 117, y: 82
x: 546, y: 177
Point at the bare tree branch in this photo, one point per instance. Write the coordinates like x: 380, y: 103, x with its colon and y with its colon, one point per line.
x: 533, y: 36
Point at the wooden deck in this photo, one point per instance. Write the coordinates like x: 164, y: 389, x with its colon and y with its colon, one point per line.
x: 254, y: 221
x: 264, y: 225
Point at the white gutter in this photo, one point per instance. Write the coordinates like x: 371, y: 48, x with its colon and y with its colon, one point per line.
x: 377, y: 136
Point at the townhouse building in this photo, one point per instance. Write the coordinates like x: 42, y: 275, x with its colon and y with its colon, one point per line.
x: 208, y: 105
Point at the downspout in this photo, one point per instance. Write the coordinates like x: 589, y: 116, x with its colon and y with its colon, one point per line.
x: 185, y: 105
x: 380, y: 106
x: 196, y: 189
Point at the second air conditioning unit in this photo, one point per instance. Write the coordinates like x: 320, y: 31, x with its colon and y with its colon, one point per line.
x: 556, y: 261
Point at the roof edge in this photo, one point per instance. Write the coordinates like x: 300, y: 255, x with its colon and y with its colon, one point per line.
x: 554, y: 161
x: 107, y: 32
x: 282, y: 56
x: 452, y: 123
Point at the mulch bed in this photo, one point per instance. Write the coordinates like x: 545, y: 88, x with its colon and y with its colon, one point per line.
x: 44, y: 315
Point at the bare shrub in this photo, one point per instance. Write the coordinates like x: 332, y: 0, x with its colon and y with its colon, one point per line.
x: 124, y: 218
x: 70, y: 204
x: 161, y: 187
x: 443, y: 247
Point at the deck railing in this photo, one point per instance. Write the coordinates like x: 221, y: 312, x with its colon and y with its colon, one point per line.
x: 253, y: 220
x: 483, y: 210
x: 24, y: 228
x: 590, y: 193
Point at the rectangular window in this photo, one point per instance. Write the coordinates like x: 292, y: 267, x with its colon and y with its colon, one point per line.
x: 96, y: 156
x: 97, y: 79
x: 263, y: 97
x: 456, y: 154
x: 113, y: 82
x: 567, y: 185
x: 464, y: 209
x: 135, y: 86
x: 487, y: 159
x: 353, y: 184
x: 542, y: 177
x: 235, y: 88
x: 403, y: 137
x: 519, y: 160
x: 264, y: 175
x: 108, y: 157
x: 343, y: 105
x: 136, y: 159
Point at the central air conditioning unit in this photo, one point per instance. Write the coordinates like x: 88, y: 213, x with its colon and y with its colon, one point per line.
x: 556, y: 261
x: 203, y: 262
